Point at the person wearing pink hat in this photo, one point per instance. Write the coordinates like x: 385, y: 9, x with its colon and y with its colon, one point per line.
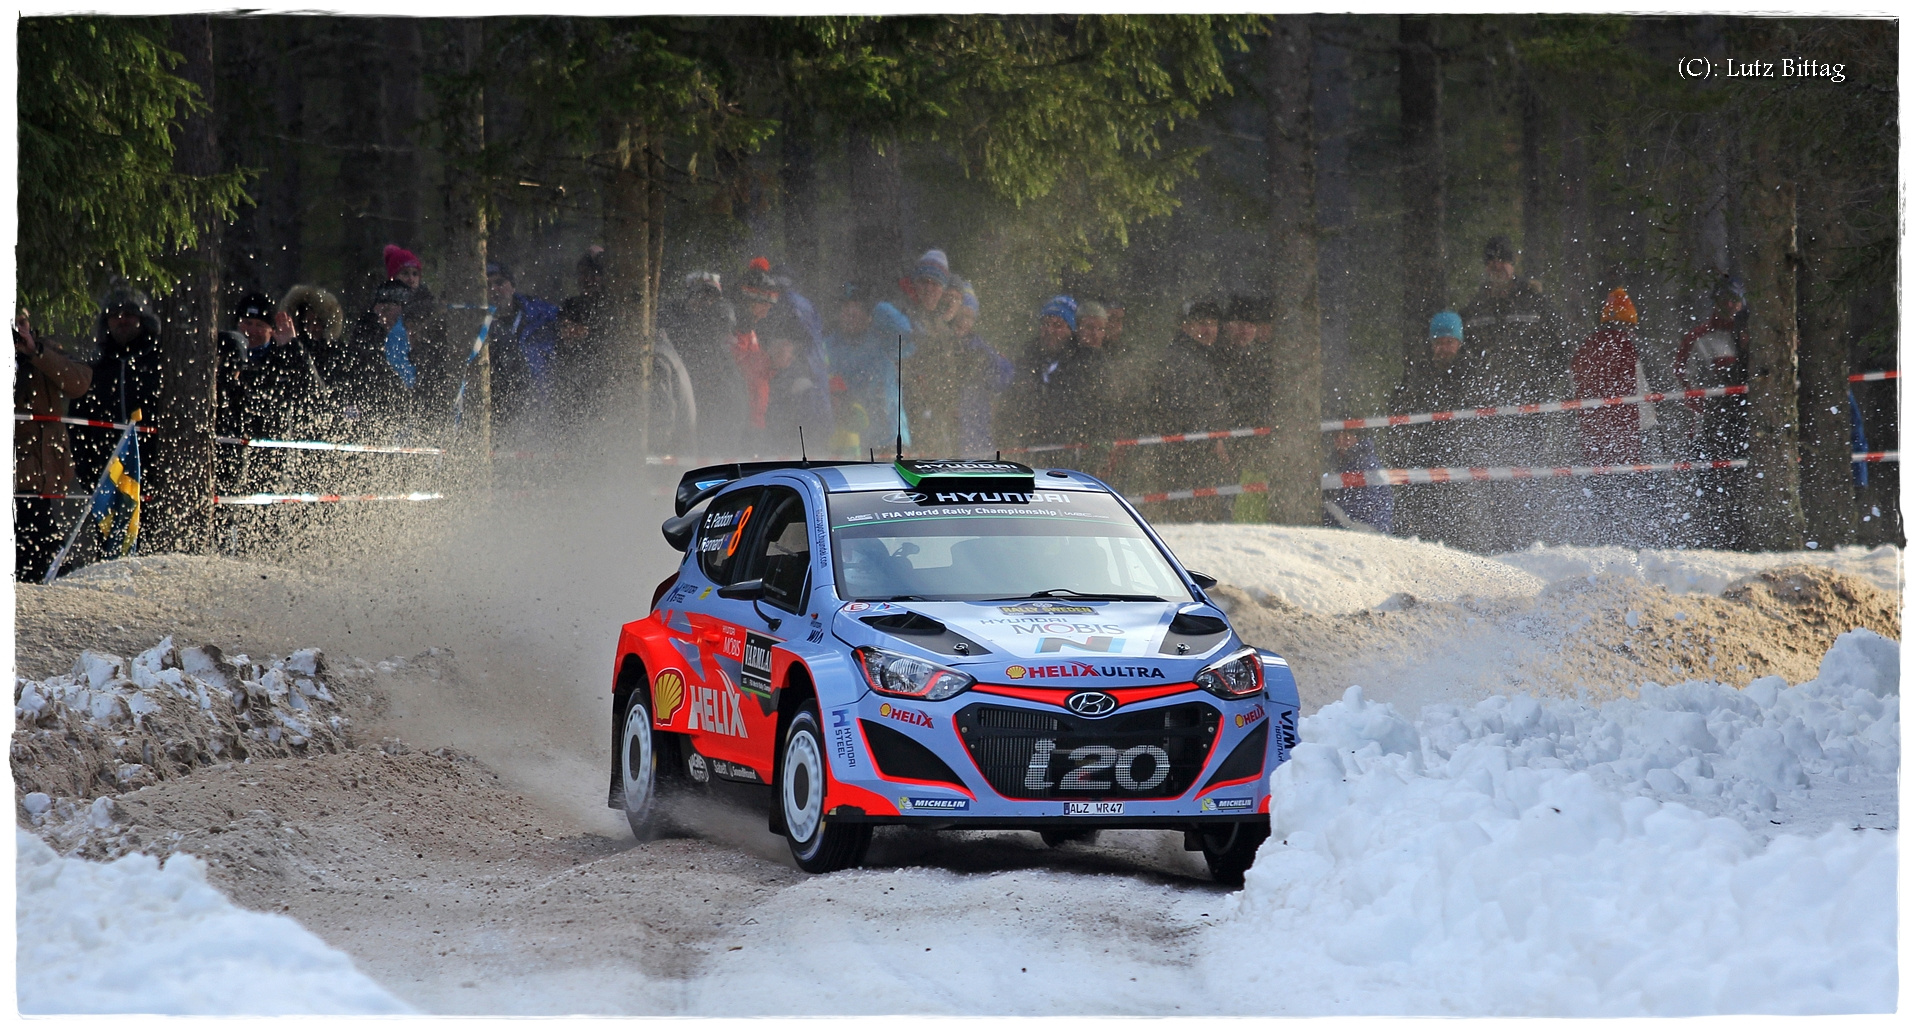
x: 436, y: 364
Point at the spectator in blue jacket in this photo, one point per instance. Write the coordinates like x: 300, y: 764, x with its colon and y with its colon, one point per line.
x: 524, y: 344
x: 863, y: 354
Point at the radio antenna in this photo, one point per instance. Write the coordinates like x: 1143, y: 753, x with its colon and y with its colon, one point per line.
x: 900, y: 396
x: 805, y: 457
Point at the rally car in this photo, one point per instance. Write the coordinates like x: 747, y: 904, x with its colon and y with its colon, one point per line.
x: 944, y: 645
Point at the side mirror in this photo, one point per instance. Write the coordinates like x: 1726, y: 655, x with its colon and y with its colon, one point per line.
x: 749, y: 589
x: 1201, y: 579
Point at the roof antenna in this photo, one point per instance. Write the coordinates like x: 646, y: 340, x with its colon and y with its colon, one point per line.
x: 873, y: 450
x: 801, y: 454
x: 900, y: 396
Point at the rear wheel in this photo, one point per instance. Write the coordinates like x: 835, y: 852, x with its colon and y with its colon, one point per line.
x: 1230, y: 850
x: 817, y: 845
x: 1055, y: 837
x: 638, y: 765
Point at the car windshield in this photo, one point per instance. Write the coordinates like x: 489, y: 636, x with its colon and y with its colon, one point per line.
x: 988, y: 546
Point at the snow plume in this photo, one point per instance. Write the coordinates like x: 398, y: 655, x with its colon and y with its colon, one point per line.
x: 135, y: 937
x: 1551, y: 859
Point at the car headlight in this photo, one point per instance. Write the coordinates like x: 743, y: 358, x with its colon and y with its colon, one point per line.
x: 1234, y: 677
x: 896, y: 674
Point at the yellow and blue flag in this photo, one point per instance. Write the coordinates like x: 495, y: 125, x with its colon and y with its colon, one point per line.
x: 116, y: 501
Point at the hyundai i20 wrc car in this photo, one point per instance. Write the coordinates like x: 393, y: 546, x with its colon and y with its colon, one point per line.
x: 944, y: 645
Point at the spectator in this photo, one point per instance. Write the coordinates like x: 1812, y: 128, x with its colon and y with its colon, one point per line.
x: 934, y: 372
x: 1438, y: 377
x: 864, y: 353
x: 988, y: 374
x: 1113, y: 326
x: 1192, y: 394
x: 320, y: 322
x: 1034, y: 401
x: 586, y: 359
x: 267, y: 390
x: 1519, y: 352
x: 799, y: 401
x: 524, y: 344
x: 702, y: 328
x: 1365, y: 507
x: 759, y: 293
x: 435, y: 361
x: 1607, y: 364
x: 126, y: 376
x: 1712, y: 354
x: 1519, y: 341
x: 45, y: 381
x: 812, y: 349
x: 367, y: 384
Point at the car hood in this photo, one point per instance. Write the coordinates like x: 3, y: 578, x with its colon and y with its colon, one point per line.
x: 1067, y: 640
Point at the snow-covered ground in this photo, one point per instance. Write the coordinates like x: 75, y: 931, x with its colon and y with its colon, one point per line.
x: 1522, y: 857
x: 1331, y: 571
x: 1691, y: 848
x: 133, y: 936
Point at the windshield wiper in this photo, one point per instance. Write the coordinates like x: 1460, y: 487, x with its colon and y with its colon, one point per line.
x: 1072, y: 593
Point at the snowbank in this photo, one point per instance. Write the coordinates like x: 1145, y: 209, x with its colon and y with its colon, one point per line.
x: 115, y: 723
x: 1331, y: 571
x: 1548, y: 858
x: 1700, y: 571
x: 135, y: 937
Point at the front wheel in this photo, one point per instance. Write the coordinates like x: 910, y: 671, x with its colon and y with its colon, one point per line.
x: 817, y: 845
x: 638, y: 765
x: 1229, y: 851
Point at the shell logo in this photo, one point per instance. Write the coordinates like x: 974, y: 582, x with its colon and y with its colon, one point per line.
x: 1015, y: 671
x: 884, y: 711
x: 667, y: 695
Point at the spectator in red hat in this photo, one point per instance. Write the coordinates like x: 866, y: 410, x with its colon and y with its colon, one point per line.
x: 1608, y: 364
x: 758, y: 292
x: 436, y: 360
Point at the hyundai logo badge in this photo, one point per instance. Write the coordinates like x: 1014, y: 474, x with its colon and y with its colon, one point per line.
x: 1091, y: 704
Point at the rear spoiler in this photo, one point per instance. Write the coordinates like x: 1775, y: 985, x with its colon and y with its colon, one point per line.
x: 698, y: 484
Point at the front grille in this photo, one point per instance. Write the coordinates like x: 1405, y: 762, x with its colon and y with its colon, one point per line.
x: 1038, y: 755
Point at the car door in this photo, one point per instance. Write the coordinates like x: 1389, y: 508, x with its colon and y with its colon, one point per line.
x: 778, y: 553
x: 714, y: 704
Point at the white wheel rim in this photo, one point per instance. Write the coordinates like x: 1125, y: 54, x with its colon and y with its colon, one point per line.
x: 635, y: 762
x: 803, y: 768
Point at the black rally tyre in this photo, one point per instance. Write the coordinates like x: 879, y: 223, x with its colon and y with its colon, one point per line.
x: 638, y: 765
x: 817, y: 845
x: 1229, y: 850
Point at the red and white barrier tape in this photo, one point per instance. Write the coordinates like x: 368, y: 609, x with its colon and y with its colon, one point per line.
x: 1874, y: 376
x: 306, y: 444
x: 1877, y: 457
x: 268, y: 499
x: 82, y: 422
x: 51, y: 496
x: 1397, y: 420
x: 1594, y: 403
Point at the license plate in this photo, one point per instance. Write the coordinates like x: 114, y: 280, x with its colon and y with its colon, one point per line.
x: 1074, y: 807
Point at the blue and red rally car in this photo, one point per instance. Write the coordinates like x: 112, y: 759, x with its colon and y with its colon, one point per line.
x: 943, y: 644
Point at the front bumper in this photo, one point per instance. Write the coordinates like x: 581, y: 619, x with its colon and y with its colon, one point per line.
x: 1013, y: 757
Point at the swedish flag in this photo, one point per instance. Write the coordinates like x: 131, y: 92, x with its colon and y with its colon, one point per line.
x: 116, y: 502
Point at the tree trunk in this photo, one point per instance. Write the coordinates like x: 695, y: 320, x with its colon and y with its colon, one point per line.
x: 1332, y: 111
x: 1573, y: 268
x: 280, y: 202
x: 463, y: 278
x: 877, y: 214
x: 1425, y: 284
x: 1295, y: 447
x: 1827, y: 473
x: 357, y: 138
x: 628, y: 250
x: 1770, y: 493
x: 402, y: 69
x: 1535, y: 261
x: 178, y: 486
x: 797, y: 175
